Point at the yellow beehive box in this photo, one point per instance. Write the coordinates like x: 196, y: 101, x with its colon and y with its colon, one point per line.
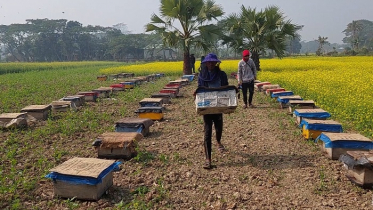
x: 83, y: 178
x: 153, y: 113
x: 336, y: 144
x: 102, y: 78
x: 311, y: 129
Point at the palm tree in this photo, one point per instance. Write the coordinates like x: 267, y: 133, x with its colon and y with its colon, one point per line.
x: 322, y: 41
x: 259, y: 31
x: 186, y: 23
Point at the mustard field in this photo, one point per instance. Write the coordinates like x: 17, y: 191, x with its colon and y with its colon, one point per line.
x: 343, y: 86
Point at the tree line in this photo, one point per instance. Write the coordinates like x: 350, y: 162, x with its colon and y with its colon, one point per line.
x: 196, y: 26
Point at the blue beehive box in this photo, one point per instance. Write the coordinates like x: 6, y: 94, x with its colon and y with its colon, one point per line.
x: 138, y: 125
x: 317, y: 114
x: 313, y: 128
x: 83, y: 178
x: 189, y: 77
x: 336, y: 144
x: 282, y: 93
x: 283, y: 100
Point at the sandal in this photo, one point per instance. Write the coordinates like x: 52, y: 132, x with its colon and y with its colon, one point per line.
x: 221, y: 148
x: 207, y: 165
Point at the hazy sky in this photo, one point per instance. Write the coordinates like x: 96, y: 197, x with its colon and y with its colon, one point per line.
x: 327, y: 18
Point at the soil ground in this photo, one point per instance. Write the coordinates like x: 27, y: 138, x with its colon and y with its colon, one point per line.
x: 267, y: 165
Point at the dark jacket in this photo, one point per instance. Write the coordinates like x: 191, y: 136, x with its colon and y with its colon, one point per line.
x: 205, y: 77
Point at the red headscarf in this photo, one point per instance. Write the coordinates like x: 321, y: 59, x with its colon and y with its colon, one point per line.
x: 245, y: 53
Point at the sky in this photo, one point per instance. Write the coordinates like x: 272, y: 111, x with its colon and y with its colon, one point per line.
x: 326, y: 18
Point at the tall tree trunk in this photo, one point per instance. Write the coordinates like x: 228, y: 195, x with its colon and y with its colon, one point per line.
x: 187, y: 70
x: 255, y: 57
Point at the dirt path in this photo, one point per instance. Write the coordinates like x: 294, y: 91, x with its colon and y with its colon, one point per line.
x: 268, y: 165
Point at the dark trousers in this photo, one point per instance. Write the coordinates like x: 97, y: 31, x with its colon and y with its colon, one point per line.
x: 250, y: 86
x: 208, y: 120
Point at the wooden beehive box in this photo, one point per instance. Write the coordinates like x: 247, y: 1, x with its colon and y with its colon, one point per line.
x: 62, y: 106
x: 151, y: 102
x: 128, y: 84
x: 117, y: 87
x: 103, y: 92
x: 300, y: 104
x: 258, y: 86
x: 283, y: 100
x: 137, y: 82
x: 165, y: 96
x: 189, y: 77
x: 139, y: 125
x: 75, y: 101
x: 359, y: 166
x: 81, y: 98
x: 13, y: 120
x: 182, y: 82
x: 311, y: 129
x: 83, y: 178
x: 89, y: 95
x: 173, y: 85
x: 273, y: 90
x: 336, y: 144
x: 173, y: 92
x: 40, y: 112
x: 102, y: 78
x: 153, y: 113
x: 118, y: 145
x: 275, y: 95
x: 216, y: 100
x: 317, y: 114
x: 272, y: 86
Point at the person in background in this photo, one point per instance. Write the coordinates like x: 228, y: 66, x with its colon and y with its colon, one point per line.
x: 202, y: 65
x: 192, y: 63
x: 211, y: 76
x: 246, y: 76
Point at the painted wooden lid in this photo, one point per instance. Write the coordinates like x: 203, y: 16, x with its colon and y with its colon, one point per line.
x: 88, y: 167
x: 290, y: 97
x: 346, y: 137
x: 310, y: 110
x: 36, y: 108
x: 11, y: 115
x: 326, y: 122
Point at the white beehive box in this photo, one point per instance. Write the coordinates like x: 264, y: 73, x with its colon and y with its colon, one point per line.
x: 215, y: 101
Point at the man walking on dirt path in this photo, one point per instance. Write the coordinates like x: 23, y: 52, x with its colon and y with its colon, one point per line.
x: 246, y: 76
x: 212, y: 77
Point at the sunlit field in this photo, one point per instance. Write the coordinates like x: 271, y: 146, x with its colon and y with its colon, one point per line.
x: 340, y: 85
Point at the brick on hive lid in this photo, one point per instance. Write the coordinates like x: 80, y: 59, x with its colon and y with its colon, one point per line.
x: 313, y: 128
x: 359, y: 165
x: 13, y: 120
x: 132, y: 124
x: 39, y: 112
x: 83, y: 178
x: 336, y: 144
x: 319, y: 114
x: 118, y: 144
